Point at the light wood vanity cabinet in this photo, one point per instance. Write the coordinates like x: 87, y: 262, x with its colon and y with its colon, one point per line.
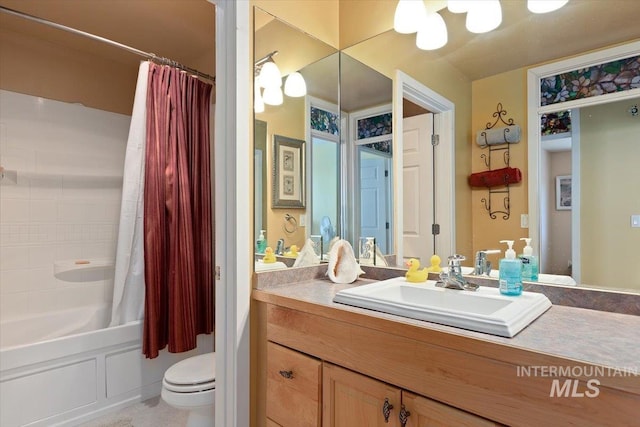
x: 344, y: 365
x: 293, y: 388
x: 351, y: 399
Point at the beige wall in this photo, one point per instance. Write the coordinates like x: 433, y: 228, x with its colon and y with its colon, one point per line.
x: 285, y: 120
x: 37, y: 67
x: 559, y: 221
x: 609, y: 191
x: 510, y: 89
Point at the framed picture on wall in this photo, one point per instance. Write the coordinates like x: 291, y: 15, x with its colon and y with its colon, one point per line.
x: 288, y: 173
x: 563, y: 192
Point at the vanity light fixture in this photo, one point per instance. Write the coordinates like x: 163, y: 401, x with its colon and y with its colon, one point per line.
x: 294, y: 85
x: 482, y: 16
x: 545, y: 6
x: 267, y: 76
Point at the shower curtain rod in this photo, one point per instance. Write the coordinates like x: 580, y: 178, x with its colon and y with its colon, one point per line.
x: 148, y: 55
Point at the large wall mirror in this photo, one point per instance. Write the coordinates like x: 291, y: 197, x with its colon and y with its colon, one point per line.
x: 471, y: 71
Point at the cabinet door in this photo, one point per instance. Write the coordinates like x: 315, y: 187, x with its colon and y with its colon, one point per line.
x: 350, y: 399
x: 429, y: 413
x: 293, y: 388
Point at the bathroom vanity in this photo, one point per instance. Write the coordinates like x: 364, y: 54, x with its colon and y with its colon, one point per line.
x: 321, y: 363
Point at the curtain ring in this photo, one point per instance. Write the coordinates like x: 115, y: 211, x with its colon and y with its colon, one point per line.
x: 290, y: 224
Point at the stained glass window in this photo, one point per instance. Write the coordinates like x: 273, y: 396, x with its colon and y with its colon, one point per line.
x: 324, y: 121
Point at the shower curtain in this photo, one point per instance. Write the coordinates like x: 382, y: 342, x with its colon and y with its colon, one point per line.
x: 128, y: 287
x: 178, y: 240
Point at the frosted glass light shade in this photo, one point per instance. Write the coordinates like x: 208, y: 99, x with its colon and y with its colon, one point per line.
x: 544, y: 6
x: 484, y: 16
x: 295, y: 85
x: 458, y: 6
x: 433, y: 33
x: 270, y: 75
x: 409, y: 16
x: 258, y: 103
x: 272, y: 95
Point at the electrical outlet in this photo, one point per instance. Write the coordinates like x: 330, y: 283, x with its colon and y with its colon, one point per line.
x: 524, y: 221
x: 303, y: 220
x: 635, y: 221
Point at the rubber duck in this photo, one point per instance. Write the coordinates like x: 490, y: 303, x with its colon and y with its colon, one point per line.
x: 293, y: 252
x: 414, y: 275
x: 435, y: 264
x: 269, y: 256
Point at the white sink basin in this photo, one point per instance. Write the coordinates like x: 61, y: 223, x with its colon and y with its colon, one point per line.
x: 485, y: 310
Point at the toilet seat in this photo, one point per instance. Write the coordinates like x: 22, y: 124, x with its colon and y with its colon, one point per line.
x: 192, y: 375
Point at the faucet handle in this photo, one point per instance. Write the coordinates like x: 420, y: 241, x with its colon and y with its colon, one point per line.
x: 455, y: 260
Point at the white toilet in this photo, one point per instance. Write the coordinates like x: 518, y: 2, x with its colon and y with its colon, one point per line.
x: 191, y: 385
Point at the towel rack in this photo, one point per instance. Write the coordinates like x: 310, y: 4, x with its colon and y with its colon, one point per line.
x: 493, y: 193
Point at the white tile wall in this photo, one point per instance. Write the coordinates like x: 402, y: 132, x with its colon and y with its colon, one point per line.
x: 65, y: 204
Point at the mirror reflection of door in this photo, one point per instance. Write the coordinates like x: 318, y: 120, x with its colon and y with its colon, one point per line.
x: 375, y: 197
x: 324, y: 155
x: 418, y: 212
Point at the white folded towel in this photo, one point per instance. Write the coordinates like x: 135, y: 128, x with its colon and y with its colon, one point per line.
x: 497, y: 136
x: 343, y: 267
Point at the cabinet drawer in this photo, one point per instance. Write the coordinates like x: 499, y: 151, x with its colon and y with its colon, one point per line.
x: 293, y: 387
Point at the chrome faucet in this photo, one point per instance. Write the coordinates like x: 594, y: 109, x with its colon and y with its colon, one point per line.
x: 280, y: 247
x: 482, y: 266
x: 453, y: 279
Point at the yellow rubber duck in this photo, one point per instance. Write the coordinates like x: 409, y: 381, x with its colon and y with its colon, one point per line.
x: 269, y: 256
x: 293, y: 252
x: 414, y: 275
x: 435, y: 264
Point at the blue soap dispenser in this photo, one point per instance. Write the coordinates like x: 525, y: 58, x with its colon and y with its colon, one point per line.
x: 510, y: 272
x: 261, y: 243
x: 529, y: 262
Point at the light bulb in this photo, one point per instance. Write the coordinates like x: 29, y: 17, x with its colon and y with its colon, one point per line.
x: 409, y: 16
x: 270, y: 75
x: 484, y: 16
x: 295, y: 85
x: 258, y: 103
x: 459, y: 6
x: 272, y: 95
x: 433, y: 33
x: 544, y: 6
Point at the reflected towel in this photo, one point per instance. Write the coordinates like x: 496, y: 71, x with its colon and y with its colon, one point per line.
x: 496, y: 136
x: 495, y: 178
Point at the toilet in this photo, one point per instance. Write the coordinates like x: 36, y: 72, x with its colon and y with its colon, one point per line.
x: 191, y: 385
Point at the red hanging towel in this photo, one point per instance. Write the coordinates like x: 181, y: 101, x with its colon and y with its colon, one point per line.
x: 495, y: 178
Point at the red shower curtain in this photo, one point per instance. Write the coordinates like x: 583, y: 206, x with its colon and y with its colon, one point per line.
x: 179, y: 300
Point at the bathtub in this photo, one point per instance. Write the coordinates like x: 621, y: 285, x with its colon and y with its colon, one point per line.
x: 59, y: 370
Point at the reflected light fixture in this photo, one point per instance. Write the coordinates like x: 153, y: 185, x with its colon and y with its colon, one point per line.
x: 432, y: 34
x: 459, y: 6
x: 272, y: 95
x: 258, y: 103
x: 270, y: 75
x: 409, y: 16
x: 545, y: 6
x: 484, y: 16
x: 294, y: 85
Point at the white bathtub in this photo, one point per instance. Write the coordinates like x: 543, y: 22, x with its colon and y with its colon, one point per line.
x: 64, y: 381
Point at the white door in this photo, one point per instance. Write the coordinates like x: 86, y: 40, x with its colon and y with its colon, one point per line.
x: 374, y: 198
x: 418, y: 188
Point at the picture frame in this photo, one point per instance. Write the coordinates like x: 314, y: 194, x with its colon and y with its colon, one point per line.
x: 288, y: 173
x: 563, y: 192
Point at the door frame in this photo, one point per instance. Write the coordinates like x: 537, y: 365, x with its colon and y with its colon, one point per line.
x: 407, y: 87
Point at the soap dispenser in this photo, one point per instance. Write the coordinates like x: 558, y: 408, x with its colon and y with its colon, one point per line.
x: 510, y: 272
x: 261, y: 243
x: 529, y: 262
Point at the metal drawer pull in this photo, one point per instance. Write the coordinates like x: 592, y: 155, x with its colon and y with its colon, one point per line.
x: 404, y: 416
x: 287, y: 374
x: 386, y: 409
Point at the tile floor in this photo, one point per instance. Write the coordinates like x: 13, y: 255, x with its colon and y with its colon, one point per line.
x: 150, y: 413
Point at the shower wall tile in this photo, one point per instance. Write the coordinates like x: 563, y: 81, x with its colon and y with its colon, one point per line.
x: 14, y: 257
x: 12, y: 281
x: 14, y: 210
x: 65, y: 204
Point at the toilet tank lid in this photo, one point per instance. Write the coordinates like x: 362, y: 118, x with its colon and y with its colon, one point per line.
x: 194, y: 370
